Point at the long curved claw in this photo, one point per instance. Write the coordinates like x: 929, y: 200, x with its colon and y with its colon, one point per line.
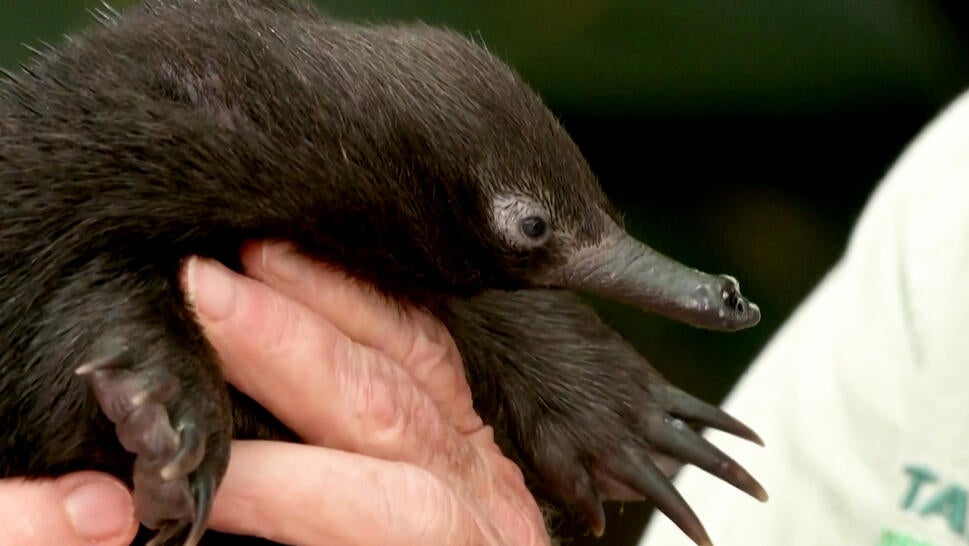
x: 638, y: 471
x: 191, y: 451
x: 166, y: 534
x: 674, y: 438
x: 684, y: 406
x: 590, y: 505
x: 204, y: 494
x: 173, y: 489
x: 204, y: 491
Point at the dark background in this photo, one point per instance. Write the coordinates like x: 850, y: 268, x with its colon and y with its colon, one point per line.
x: 738, y: 136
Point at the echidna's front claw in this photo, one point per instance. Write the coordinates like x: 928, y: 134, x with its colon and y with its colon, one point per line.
x: 635, y: 468
x: 676, y: 439
x: 699, y: 413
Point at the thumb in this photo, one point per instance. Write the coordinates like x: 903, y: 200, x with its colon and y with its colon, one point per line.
x: 82, y: 509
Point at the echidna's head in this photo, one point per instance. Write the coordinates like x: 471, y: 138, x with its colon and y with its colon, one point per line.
x: 541, y: 217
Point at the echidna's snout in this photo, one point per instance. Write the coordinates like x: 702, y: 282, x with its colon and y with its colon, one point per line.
x: 620, y: 267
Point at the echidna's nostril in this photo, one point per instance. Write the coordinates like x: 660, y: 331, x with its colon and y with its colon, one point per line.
x: 730, y: 294
x: 736, y: 309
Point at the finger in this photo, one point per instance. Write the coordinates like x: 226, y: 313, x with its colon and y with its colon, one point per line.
x: 414, y: 339
x: 85, y: 508
x: 326, y: 388
x: 296, y: 494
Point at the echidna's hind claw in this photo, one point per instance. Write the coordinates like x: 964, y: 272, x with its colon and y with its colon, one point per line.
x: 157, y: 422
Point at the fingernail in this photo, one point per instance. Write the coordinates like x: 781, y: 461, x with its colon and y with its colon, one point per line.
x: 282, y: 261
x: 211, y: 288
x: 100, y: 510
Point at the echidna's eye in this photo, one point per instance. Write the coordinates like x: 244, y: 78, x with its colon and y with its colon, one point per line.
x: 521, y: 220
x: 534, y: 227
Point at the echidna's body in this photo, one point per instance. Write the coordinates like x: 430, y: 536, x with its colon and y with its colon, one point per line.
x: 407, y: 155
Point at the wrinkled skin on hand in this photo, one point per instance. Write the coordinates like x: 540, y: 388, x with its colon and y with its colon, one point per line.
x: 394, y: 453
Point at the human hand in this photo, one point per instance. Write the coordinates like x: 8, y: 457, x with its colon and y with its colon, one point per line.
x: 395, y: 454
x: 79, y: 509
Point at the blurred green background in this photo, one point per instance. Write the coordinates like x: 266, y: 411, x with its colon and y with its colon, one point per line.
x: 738, y: 136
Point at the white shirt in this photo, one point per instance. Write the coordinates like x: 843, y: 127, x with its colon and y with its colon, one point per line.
x: 862, y: 398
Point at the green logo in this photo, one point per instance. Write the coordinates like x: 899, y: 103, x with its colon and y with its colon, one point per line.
x: 894, y: 538
x: 928, y: 496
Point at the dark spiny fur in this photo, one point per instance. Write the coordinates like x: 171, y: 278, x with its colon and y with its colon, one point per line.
x: 191, y: 127
x: 188, y: 128
x: 173, y: 125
